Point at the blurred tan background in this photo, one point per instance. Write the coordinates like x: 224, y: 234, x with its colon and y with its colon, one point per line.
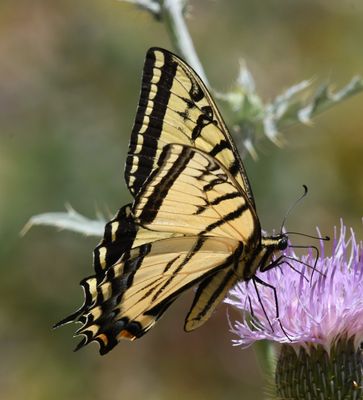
x: 69, y: 84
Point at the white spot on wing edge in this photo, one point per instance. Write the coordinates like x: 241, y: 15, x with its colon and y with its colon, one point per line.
x: 102, y: 256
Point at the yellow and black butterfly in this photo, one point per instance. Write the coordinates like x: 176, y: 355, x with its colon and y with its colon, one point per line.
x: 193, y: 219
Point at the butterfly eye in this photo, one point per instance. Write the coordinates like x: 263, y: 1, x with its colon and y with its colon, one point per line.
x: 283, y: 242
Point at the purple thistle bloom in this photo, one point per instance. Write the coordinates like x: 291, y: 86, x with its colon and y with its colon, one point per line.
x: 319, y: 323
x: 314, y: 307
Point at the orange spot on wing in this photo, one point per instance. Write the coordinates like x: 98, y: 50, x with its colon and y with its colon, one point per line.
x: 124, y: 334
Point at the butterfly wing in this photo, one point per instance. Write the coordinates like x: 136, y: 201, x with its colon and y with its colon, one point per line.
x: 176, y: 107
x: 136, y: 291
x: 191, y: 193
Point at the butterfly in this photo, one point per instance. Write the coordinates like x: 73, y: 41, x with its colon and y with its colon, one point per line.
x: 192, y: 222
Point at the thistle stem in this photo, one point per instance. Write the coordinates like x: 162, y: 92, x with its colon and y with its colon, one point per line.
x: 173, y: 16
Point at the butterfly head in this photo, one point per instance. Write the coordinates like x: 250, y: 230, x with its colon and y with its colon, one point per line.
x: 282, y: 242
x: 276, y: 242
x: 270, y: 246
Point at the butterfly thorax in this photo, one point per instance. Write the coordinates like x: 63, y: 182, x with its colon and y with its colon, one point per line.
x: 261, y: 256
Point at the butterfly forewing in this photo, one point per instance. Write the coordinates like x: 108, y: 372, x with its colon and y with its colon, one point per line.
x: 175, y: 107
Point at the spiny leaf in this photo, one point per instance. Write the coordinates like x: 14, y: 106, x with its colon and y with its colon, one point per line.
x: 70, y: 220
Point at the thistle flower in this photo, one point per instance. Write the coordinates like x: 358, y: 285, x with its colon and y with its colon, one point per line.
x: 319, y: 321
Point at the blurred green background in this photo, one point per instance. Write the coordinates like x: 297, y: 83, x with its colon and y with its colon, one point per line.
x: 69, y: 84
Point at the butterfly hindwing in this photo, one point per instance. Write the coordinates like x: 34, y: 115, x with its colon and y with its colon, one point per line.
x: 136, y: 291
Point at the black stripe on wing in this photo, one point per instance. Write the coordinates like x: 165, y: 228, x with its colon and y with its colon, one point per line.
x: 192, y: 252
x: 138, y: 167
x: 226, y: 218
x: 155, y: 201
x: 212, y: 290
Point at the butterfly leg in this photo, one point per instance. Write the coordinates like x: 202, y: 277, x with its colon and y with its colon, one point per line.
x: 260, y: 281
x: 272, y: 265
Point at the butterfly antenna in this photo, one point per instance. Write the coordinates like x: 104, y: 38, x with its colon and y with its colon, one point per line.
x: 326, y: 237
x: 293, y: 205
